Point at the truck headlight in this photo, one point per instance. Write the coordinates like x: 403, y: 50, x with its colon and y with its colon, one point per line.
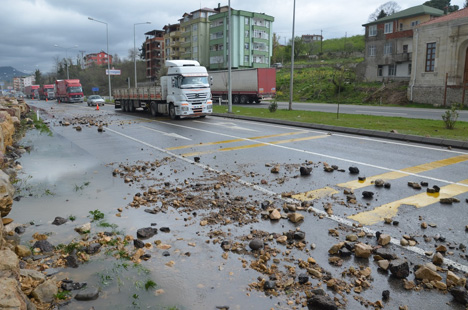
x: 209, y: 106
x: 185, y: 108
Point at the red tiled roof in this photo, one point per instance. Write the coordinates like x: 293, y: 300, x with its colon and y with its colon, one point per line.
x: 463, y: 13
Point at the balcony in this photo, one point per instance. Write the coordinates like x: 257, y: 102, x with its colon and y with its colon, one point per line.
x: 403, y: 57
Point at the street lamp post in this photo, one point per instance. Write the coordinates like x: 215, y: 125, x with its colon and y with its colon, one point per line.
x: 134, y: 50
x: 108, y: 56
x: 66, y: 55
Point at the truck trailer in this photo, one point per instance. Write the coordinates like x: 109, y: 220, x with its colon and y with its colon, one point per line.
x: 68, y: 91
x: 184, y: 92
x: 247, y: 85
x: 31, y: 91
x: 47, y: 92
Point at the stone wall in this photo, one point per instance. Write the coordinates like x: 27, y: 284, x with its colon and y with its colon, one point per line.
x: 11, y: 295
x: 435, y: 95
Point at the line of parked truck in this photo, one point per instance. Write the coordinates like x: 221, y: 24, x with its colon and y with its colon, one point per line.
x: 62, y: 90
x: 188, y: 90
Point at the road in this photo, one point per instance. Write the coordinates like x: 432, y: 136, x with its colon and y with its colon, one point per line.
x: 366, y: 110
x: 239, y: 167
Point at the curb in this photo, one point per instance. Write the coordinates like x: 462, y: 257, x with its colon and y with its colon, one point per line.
x: 355, y: 131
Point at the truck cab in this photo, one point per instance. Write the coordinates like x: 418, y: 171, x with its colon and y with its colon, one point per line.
x: 187, y: 89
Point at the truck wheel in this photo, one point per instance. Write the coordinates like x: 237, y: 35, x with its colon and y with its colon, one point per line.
x: 258, y: 100
x: 125, y: 106
x: 131, y: 106
x: 235, y: 99
x: 154, y: 109
x: 172, y: 112
x: 251, y: 100
x: 243, y: 99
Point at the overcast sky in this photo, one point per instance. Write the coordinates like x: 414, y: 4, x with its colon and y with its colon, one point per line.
x: 29, y: 29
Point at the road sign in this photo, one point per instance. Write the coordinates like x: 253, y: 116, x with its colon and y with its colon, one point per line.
x: 95, y: 89
x: 113, y: 72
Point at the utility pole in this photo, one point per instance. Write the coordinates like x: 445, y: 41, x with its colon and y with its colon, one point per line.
x: 321, y: 41
x: 82, y: 59
x: 291, y: 83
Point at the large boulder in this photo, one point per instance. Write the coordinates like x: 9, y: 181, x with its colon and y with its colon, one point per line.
x: 11, y: 296
x: 6, y: 194
x: 46, y: 291
x: 9, y: 264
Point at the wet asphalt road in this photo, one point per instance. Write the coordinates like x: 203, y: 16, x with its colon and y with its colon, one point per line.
x: 248, y: 150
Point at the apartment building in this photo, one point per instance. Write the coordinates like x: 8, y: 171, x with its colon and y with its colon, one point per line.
x: 172, y: 41
x: 194, y: 35
x: 154, y: 53
x: 389, y: 43
x: 98, y: 59
x: 252, y: 39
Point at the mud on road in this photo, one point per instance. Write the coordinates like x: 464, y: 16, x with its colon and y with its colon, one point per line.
x: 173, y: 233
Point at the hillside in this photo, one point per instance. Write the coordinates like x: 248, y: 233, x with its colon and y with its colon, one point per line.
x: 8, y: 73
x: 334, y: 80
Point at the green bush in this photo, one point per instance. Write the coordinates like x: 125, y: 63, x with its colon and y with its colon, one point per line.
x: 451, y: 116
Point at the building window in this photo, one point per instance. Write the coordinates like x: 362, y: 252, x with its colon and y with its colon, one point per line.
x: 372, y: 31
x: 195, y: 38
x: 194, y: 27
x: 430, y: 57
x: 246, y: 46
x: 388, y: 27
x: 372, y: 50
x: 405, y: 48
x: 247, y: 33
x: 388, y: 48
x: 246, y: 58
x: 195, y: 49
x: 380, y: 70
x: 409, y: 69
x: 391, y: 70
x: 414, y: 23
x: 246, y: 20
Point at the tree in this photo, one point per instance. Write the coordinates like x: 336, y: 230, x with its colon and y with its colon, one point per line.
x: 466, y: 4
x: 386, y: 9
x: 300, y: 47
x: 38, y: 77
x: 443, y: 5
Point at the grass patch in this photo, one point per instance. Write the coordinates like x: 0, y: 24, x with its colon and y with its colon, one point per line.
x: 418, y: 127
x: 96, y: 215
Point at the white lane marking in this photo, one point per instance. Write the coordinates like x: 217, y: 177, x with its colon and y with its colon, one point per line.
x: 172, y: 134
x: 335, y: 218
x: 229, y: 125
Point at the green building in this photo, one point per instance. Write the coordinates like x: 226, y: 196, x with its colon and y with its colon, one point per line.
x: 252, y: 38
x: 194, y: 35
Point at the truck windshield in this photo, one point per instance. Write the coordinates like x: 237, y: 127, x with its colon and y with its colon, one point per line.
x: 194, y: 82
x: 75, y: 89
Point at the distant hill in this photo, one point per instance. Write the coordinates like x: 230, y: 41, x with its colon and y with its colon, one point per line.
x: 8, y: 73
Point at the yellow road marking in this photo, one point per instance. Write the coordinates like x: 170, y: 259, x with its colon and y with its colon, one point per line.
x: 252, y: 146
x: 404, y: 172
x: 315, y: 194
x: 233, y: 140
x: 419, y: 201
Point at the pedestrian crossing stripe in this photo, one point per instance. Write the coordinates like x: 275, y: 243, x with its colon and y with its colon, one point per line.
x: 316, y: 194
x: 234, y: 140
x: 227, y: 149
x: 356, y: 184
x: 390, y: 210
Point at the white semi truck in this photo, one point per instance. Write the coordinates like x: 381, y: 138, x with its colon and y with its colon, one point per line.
x: 183, y: 92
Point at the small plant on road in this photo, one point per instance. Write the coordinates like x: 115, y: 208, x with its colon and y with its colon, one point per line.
x: 96, y: 215
x: 451, y: 116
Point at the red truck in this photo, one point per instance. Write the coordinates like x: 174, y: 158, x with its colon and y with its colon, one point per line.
x: 248, y: 85
x: 47, y: 92
x: 68, y: 91
x: 31, y: 91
